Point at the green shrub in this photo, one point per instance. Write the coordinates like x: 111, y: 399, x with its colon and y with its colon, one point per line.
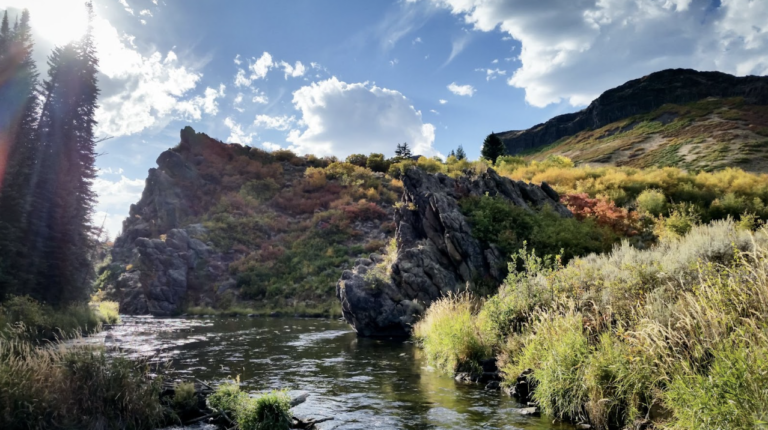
x: 430, y: 165
x: 378, y: 163
x: 270, y: 411
x: 448, y: 335
x: 184, y: 397
x: 652, y: 202
x: 260, y: 189
x: 358, y: 160
x: 498, y: 221
x: 396, y: 170
x: 227, y: 397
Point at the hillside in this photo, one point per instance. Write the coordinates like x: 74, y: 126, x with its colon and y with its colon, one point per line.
x: 706, y: 135
x: 222, y: 225
x: 642, y: 97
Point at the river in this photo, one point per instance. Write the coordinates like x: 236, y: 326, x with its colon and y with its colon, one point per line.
x: 361, y: 383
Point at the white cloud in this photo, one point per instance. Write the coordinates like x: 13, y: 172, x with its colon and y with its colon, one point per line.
x: 491, y: 74
x: 443, y: 101
x: 237, y: 60
x: 237, y: 135
x: 434, y: 112
x: 393, y: 62
x: 274, y: 122
x: 416, y: 40
x: 192, y: 109
x: 142, y: 91
x: 341, y: 119
x: 574, y: 50
x: 260, y: 97
x: 145, y: 12
x: 126, y: 6
x: 271, y: 146
x: 261, y: 67
x: 461, y: 90
x: 238, y: 102
x: 496, y: 61
x: 293, y: 71
x: 114, y: 198
x: 241, y: 80
x: 457, y: 46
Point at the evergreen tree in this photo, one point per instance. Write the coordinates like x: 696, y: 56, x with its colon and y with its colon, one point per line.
x: 452, y: 154
x: 60, y: 229
x: 19, y: 106
x: 493, y: 148
x: 460, y: 154
x: 403, y: 151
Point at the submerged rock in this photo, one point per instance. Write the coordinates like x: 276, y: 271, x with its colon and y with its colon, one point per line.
x: 436, y: 253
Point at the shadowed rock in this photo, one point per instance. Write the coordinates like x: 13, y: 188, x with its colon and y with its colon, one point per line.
x: 436, y: 253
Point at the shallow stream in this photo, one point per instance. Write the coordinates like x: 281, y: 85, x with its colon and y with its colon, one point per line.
x: 361, y: 383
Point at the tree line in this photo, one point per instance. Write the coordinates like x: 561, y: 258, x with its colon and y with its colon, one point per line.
x: 47, y: 166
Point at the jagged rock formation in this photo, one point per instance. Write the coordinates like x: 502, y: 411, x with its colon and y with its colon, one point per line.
x: 225, y: 224
x: 436, y: 253
x: 640, y: 96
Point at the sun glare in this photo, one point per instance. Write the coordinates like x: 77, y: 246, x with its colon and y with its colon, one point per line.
x: 58, y: 21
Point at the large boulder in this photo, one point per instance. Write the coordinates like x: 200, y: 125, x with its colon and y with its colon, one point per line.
x: 436, y: 252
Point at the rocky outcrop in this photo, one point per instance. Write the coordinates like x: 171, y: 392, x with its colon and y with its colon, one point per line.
x: 436, y: 253
x: 640, y: 96
x: 159, y: 272
x: 155, y: 262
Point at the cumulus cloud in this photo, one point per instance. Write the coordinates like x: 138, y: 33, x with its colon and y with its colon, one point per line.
x: 274, y: 122
x: 574, y: 50
x: 142, y: 91
x: 443, y: 101
x: 237, y: 135
x: 461, y: 90
x: 341, y: 118
x: 293, y: 71
x: 261, y: 66
x: 114, y: 198
x: 259, y: 97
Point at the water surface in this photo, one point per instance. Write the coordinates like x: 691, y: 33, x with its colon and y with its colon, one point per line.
x: 361, y: 383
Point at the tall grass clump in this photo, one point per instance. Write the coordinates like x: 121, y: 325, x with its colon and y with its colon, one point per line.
x: 268, y: 411
x: 556, y: 349
x: 673, y: 336
x: 43, y: 321
x: 448, y: 335
x: 74, y: 386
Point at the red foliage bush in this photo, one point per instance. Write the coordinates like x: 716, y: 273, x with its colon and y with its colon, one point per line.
x: 604, y: 212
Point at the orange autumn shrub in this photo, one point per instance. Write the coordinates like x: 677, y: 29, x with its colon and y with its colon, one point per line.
x: 604, y: 212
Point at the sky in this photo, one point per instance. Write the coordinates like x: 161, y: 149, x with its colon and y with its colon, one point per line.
x: 354, y: 76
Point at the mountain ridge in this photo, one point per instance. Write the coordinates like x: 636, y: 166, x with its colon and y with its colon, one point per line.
x: 639, y: 96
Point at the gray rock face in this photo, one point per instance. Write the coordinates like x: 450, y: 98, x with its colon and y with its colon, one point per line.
x: 160, y: 273
x: 157, y: 279
x: 436, y: 253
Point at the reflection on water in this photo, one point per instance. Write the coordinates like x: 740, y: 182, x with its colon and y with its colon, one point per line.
x: 362, y: 383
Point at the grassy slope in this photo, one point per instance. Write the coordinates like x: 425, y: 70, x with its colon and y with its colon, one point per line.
x: 706, y: 135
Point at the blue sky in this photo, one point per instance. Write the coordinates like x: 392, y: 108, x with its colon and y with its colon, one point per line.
x: 339, y: 77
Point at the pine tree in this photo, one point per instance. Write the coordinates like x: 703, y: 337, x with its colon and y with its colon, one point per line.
x: 20, y: 103
x: 460, y: 154
x: 60, y: 232
x: 452, y: 153
x: 403, y: 151
x: 493, y: 148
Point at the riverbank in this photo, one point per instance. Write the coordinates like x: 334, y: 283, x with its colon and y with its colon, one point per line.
x: 26, y: 316
x: 669, y: 337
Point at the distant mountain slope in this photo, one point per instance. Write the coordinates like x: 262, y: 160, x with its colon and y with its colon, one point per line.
x: 704, y: 135
x: 640, y: 96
